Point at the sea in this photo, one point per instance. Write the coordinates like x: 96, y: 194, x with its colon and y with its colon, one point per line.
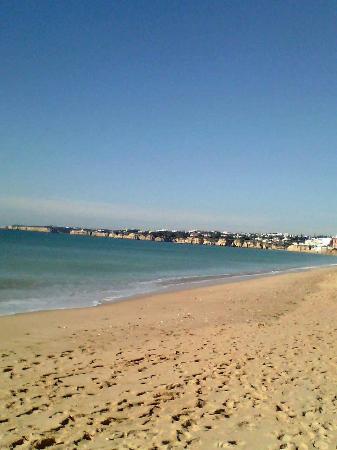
x: 42, y: 271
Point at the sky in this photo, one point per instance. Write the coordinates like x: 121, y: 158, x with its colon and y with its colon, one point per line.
x: 180, y: 114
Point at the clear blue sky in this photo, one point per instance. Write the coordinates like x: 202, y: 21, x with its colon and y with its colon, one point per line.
x: 180, y: 114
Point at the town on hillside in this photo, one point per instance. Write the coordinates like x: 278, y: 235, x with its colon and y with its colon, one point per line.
x: 271, y: 241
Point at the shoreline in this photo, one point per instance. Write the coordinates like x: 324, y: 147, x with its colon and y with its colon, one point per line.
x: 249, y: 364
x: 178, y: 285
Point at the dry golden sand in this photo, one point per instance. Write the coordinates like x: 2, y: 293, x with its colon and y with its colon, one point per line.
x: 249, y: 365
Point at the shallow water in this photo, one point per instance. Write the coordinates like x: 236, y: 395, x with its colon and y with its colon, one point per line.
x: 48, y: 271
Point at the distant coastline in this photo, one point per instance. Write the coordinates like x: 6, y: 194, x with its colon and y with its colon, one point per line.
x: 326, y: 245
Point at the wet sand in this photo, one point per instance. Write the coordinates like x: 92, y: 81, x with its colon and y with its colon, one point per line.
x: 248, y: 365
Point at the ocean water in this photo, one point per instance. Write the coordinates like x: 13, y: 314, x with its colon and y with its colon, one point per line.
x: 49, y: 271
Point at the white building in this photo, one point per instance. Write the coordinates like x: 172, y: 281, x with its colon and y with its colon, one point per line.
x: 318, y: 242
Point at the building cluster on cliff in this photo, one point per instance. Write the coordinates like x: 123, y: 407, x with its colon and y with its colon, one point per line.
x: 273, y: 241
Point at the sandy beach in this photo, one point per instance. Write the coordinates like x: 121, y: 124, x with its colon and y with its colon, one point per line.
x: 248, y: 365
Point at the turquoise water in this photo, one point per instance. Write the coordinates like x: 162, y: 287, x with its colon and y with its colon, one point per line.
x: 48, y: 271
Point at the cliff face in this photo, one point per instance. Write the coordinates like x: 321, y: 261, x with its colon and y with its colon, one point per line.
x: 134, y: 236
x: 209, y: 242
x: 99, y: 234
x: 29, y: 228
x: 180, y: 240
x: 145, y: 237
x: 310, y: 249
x: 80, y: 232
x: 258, y: 244
x: 115, y: 236
x: 222, y: 243
x: 131, y: 236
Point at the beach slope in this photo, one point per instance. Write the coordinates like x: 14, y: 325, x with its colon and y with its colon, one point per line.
x: 248, y: 365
